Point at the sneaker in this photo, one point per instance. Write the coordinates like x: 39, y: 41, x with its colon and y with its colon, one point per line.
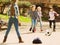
x: 21, y: 42
x: 30, y: 29
x: 34, y: 30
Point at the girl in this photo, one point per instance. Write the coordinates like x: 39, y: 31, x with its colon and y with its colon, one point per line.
x: 40, y: 16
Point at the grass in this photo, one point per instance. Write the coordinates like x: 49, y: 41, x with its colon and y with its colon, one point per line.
x: 4, y: 17
x: 22, y: 18
x: 25, y: 19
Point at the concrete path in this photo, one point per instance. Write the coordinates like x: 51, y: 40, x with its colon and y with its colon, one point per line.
x: 28, y: 36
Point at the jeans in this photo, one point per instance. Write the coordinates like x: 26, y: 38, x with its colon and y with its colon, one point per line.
x: 15, y: 22
x: 33, y: 23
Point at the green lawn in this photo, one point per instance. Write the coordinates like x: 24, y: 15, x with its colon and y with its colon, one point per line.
x: 25, y: 19
x: 5, y: 17
x: 22, y: 18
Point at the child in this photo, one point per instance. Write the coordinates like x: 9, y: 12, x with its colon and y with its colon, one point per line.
x: 52, y: 15
x: 33, y: 15
x: 40, y: 16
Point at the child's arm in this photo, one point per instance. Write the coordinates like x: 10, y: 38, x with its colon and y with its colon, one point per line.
x: 56, y: 14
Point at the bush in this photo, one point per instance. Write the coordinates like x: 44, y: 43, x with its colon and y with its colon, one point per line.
x: 4, y: 1
x: 24, y: 3
x: 56, y: 8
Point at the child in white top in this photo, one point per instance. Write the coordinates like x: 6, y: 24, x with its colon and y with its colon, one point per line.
x: 52, y: 15
x: 40, y: 16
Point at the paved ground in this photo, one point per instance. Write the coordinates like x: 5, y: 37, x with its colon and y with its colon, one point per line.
x: 28, y: 37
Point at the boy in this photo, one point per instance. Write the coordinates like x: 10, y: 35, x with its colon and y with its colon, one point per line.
x: 33, y: 15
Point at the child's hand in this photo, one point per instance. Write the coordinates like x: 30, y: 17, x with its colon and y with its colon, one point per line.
x: 57, y: 14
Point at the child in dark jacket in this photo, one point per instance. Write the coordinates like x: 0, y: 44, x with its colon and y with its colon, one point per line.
x: 33, y: 15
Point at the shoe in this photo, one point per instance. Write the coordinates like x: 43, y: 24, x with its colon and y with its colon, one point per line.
x: 4, y: 39
x: 20, y: 40
x: 30, y: 29
x: 34, y: 30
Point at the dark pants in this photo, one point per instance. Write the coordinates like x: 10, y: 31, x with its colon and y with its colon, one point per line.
x: 15, y: 22
x: 50, y: 24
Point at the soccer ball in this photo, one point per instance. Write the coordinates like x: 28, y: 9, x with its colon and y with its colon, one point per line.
x: 48, y: 32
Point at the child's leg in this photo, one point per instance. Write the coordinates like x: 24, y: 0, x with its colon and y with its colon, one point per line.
x: 34, y: 25
x: 31, y: 25
x: 40, y: 24
x: 54, y: 25
x: 50, y: 23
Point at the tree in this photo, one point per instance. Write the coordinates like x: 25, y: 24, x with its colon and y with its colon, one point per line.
x: 3, y: 2
x: 24, y: 3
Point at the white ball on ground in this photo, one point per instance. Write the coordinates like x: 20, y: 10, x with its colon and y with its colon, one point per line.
x: 48, y: 32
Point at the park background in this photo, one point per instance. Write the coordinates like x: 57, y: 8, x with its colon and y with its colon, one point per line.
x: 24, y: 6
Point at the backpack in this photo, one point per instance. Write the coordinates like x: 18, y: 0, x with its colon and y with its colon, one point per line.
x: 37, y: 41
